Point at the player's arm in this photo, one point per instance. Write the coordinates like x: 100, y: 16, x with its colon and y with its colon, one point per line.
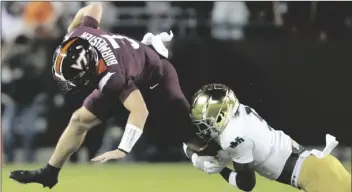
x: 194, y: 150
x: 95, y: 11
x: 244, y: 175
x: 243, y: 178
x: 135, y: 104
x: 132, y: 99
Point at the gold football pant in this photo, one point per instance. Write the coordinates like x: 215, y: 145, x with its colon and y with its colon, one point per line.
x: 324, y: 175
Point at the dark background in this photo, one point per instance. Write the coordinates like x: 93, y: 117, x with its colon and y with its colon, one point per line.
x: 299, y: 86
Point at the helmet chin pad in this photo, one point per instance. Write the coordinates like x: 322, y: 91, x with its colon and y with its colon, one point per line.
x: 214, y: 134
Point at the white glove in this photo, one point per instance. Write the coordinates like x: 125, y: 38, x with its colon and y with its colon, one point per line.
x: 208, y: 164
x: 198, y: 161
x: 212, y: 168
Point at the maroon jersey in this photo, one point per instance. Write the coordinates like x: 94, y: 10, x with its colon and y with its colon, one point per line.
x: 129, y: 63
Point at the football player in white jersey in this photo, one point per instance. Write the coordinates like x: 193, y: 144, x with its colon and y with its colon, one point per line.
x: 244, y: 138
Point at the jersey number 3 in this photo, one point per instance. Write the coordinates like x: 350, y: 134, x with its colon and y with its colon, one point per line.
x: 250, y: 111
x: 111, y: 39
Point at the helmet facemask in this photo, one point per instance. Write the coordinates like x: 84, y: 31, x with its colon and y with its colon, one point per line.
x: 212, y: 110
x: 207, y: 130
x: 211, y: 127
x: 82, y: 80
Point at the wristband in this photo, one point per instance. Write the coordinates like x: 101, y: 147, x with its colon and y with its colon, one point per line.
x: 129, y: 138
x: 232, y: 179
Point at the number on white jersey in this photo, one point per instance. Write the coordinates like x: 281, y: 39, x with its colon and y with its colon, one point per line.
x: 115, y: 45
x: 250, y: 111
x: 236, y: 142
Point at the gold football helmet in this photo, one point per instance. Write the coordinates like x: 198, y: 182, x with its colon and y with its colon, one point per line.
x: 212, y: 108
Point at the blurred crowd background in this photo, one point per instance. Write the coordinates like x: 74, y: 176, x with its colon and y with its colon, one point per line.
x: 291, y: 61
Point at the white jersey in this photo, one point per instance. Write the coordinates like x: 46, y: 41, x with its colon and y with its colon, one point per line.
x: 248, y: 137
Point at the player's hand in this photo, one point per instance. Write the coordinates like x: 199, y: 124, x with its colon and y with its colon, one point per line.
x: 213, y: 167
x: 208, y: 164
x: 115, y: 154
x: 198, y: 161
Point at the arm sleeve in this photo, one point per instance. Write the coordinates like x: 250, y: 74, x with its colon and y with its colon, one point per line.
x: 88, y: 21
x: 245, y: 182
x: 116, y: 84
x: 230, y: 176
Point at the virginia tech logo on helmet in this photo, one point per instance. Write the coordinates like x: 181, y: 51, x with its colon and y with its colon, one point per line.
x: 75, y: 64
x: 81, y: 61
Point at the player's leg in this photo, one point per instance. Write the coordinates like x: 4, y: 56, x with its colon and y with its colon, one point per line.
x: 81, y: 122
x: 71, y: 139
x: 324, y: 175
x: 339, y: 174
x: 176, y: 100
x: 95, y: 109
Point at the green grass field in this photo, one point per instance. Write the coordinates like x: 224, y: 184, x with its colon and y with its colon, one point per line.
x: 134, y: 178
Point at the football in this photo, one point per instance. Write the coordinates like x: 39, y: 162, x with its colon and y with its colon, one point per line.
x: 211, y: 149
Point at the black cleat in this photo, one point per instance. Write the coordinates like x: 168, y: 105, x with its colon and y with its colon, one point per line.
x: 41, y: 176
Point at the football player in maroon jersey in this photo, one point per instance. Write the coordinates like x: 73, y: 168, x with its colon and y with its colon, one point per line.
x: 118, y: 67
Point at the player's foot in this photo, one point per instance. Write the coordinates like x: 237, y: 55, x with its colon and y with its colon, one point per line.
x: 42, y: 176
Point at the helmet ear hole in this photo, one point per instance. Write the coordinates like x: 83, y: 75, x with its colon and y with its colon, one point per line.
x: 220, y: 116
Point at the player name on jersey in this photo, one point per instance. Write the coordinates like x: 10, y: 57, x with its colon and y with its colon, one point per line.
x: 103, y: 47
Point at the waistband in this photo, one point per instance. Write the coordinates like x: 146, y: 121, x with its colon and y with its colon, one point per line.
x: 331, y: 143
x: 287, y: 172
